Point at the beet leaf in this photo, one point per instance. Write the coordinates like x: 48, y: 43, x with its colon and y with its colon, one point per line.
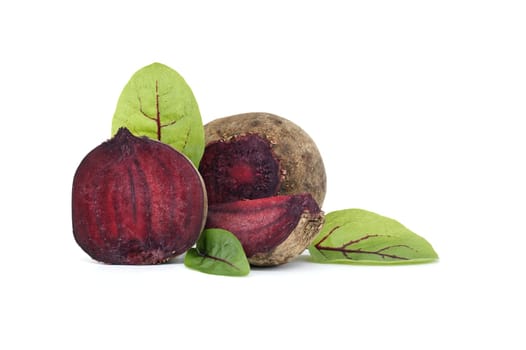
x: 218, y: 252
x: 158, y: 103
x: 362, y: 237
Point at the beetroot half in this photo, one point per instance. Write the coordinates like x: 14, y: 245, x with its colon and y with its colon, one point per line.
x: 272, y: 230
x: 137, y: 201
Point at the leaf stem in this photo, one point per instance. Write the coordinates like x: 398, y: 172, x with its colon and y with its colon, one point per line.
x: 157, y: 118
x: 205, y: 256
x: 345, y: 251
x: 158, y: 115
x: 378, y: 252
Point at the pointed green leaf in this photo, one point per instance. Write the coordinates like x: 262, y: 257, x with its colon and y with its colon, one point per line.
x: 159, y: 104
x: 218, y: 252
x: 362, y: 237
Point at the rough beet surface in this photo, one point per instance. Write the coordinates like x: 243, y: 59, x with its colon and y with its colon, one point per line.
x: 301, y: 165
x: 136, y: 201
x: 272, y: 230
x: 243, y: 167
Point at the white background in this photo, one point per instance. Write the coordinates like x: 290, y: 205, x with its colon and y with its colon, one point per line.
x: 416, y: 106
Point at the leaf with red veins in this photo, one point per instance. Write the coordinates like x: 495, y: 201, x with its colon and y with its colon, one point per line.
x: 159, y: 104
x: 362, y: 237
x: 218, y: 252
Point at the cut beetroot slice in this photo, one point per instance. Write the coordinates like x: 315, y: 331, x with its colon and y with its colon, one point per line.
x: 271, y: 230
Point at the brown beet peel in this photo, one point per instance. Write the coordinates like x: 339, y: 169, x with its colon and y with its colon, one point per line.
x: 263, y: 152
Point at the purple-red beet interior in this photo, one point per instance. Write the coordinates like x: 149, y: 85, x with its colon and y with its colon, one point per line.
x: 261, y: 224
x: 240, y: 168
x: 136, y: 201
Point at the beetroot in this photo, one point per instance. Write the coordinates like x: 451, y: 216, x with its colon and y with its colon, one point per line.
x: 272, y: 230
x: 136, y: 201
x: 269, y: 153
x: 265, y: 181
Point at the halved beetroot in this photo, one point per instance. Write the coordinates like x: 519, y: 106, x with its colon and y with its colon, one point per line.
x: 137, y: 201
x: 272, y: 230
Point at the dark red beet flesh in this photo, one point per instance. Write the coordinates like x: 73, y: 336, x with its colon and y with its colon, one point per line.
x: 261, y: 224
x: 241, y: 168
x: 136, y: 201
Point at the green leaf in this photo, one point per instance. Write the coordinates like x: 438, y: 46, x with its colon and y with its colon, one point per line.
x: 358, y: 236
x: 159, y: 104
x: 218, y: 252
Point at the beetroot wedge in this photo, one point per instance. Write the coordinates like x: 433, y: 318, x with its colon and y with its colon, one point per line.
x: 272, y: 230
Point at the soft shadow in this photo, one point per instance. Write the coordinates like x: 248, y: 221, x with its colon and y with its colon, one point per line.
x: 298, y: 262
x: 177, y: 260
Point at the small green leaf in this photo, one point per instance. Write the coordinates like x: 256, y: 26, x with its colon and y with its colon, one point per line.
x: 159, y: 104
x: 218, y: 252
x: 362, y: 237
